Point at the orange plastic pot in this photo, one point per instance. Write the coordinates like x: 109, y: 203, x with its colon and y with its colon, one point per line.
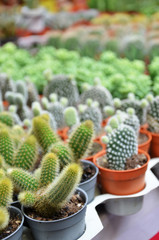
x: 154, y: 148
x: 146, y: 145
x: 124, y: 182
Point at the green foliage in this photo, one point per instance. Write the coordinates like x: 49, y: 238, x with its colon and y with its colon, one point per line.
x: 44, y: 133
x: 26, y: 155
x: 7, y: 147
x: 81, y: 139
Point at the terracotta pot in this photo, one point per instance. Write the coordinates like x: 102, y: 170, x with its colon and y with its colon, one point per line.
x: 146, y: 145
x: 154, y: 148
x: 5, y: 104
x: 124, y: 182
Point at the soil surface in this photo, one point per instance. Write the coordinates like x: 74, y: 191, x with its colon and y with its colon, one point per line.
x: 136, y: 161
x: 73, y: 206
x: 96, y: 147
x: 88, y: 172
x: 15, y: 221
x: 142, y: 138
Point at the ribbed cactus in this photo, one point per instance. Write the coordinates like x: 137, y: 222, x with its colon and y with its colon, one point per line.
x: 26, y: 155
x: 6, y: 118
x: 121, y: 144
x: 71, y: 117
x: 94, y: 114
x: 81, y: 139
x: 50, y: 167
x: 6, y: 191
x: 63, y: 86
x: 44, y: 133
x: 153, y: 114
x: 97, y: 93
x: 63, y: 153
x: 23, y: 180
x: 6, y: 147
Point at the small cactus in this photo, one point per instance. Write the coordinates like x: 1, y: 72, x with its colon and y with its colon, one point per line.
x: 26, y: 155
x: 7, y: 147
x: 71, y: 117
x: 81, y: 139
x: 22, y: 88
x: 6, y: 191
x: 153, y: 114
x: 44, y: 134
x: 4, y: 218
x: 57, y: 111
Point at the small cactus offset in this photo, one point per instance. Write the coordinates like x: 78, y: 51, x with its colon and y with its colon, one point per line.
x: 26, y: 155
x: 121, y: 144
x: 7, y: 146
x: 50, y: 167
x: 44, y: 133
x: 97, y: 93
x: 63, y: 153
x: 23, y: 180
x: 63, y: 86
x: 81, y: 139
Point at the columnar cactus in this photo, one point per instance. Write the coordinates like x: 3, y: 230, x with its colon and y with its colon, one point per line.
x: 121, y: 144
x: 6, y: 146
x: 26, y: 155
x: 44, y: 134
x: 63, y: 86
x: 81, y: 139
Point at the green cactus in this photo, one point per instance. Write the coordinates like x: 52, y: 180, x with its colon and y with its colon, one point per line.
x: 63, y: 153
x: 27, y: 198
x: 6, y: 118
x: 132, y: 120
x: 71, y: 117
x: 32, y: 93
x: 27, y: 154
x: 153, y: 114
x: 6, y: 84
x: 81, y: 139
x: 4, y: 218
x: 6, y: 191
x: 49, y: 169
x: 44, y: 133
x: 22, y: 88
x: 121, y: 144
x: 2, y: 173
x: 10, y: 97
x: 57, y: 110
x: 7, y: 147
x: 23, y: 180
x: 36, y: 108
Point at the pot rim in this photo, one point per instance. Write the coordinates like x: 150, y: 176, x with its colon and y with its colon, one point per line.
x: 21, y: 224
x: 94, y: 176
x: 62, y: 219
x: 143, y: 131
x: 121, y: 171
x: 154, y: 134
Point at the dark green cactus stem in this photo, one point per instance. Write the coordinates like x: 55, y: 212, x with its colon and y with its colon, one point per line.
x: 6, y: 118
x: 27, y: 199
x: 44, y: 133
x: 6, y: 191
x: 27, y: 154
x: 23, y: 180
x: 60, y: 191
x: 7, y: 147
x: 49, y: 169
x: 81, y: 139
x: 63, y: 153
x: 4, y: 218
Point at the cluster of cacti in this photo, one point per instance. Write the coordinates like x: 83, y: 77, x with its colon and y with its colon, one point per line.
x: 6, y: 192
x: 153, y: 113
x: 121, y: 144
x: 91, y: 112
x: 63, y: 86
x: 97, y: 93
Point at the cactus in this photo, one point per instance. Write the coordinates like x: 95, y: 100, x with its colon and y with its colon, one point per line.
x: 26, y: 155
x: 2, y: 173
x: 32, y: 93
x: 6, y: 118
x: 6, y: 84
x: 22, y: 179
x: 4, y: 218
x: 81, y: 139
x: 50, y: 119
x: 57, y: 110
x: 36, y: 108
x: 71, y: 117
x: 94, y: 114
x: 49, y: 169
x: 27, y: 198
x: 153, y: 114
x: 10, y: 97
x: 121, y: 144
x: 64, y: 86
x: 23, y: 111
x: 7, y: 147
x: 6, y: 191
x: 22, y: 88
x: 132, y: 120
x: 63, y: 153
x: 44, y: 133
